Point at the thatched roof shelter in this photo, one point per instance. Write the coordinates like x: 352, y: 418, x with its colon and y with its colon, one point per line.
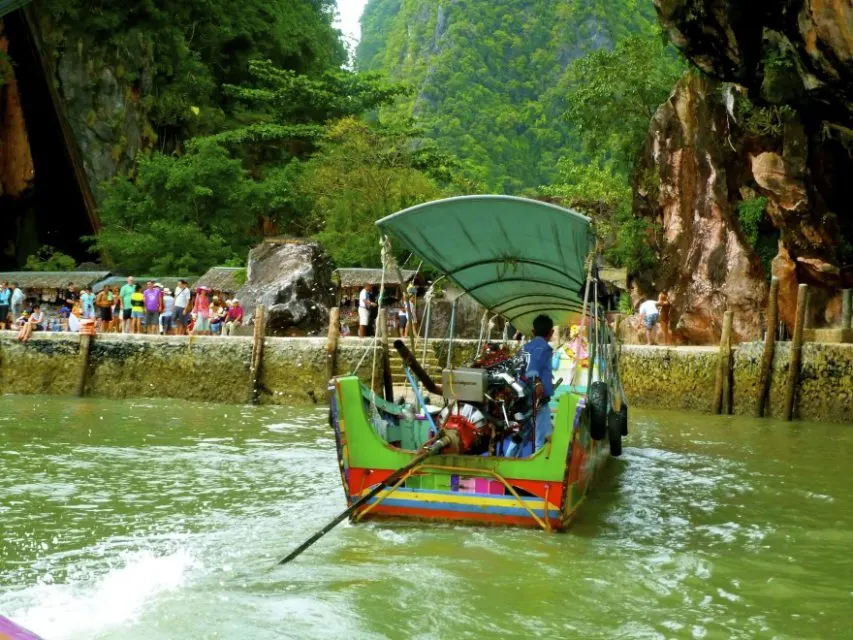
x: 53, y: 280
x: 227, y: 280
x: 349, y: 278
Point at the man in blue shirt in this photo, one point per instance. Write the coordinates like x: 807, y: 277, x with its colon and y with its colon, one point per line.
x: 5, y: 297
x: 539, y: 372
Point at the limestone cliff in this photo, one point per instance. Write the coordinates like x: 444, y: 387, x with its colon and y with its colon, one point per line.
x: 16, y: 161
x: 747, y: 165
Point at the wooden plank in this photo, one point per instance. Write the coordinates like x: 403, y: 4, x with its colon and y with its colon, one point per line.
x: 766, y: 371
x: 83, y: 364
x: 388, y: 382
x: 722, y: 386
x: 796, y: 351
x: 332, y: 342
x: 257, y: 354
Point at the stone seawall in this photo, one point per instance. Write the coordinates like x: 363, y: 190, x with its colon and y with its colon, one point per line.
x: 294, y: 371
x: 683, y: 378
x: 199, y: 368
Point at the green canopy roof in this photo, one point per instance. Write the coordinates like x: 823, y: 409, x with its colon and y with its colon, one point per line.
x: 514, y: 256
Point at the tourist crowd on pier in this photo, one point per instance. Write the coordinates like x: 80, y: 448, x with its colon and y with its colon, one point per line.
x: 148, y: 308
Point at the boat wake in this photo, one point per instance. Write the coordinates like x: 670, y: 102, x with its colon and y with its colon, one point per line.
x: 85, y: 609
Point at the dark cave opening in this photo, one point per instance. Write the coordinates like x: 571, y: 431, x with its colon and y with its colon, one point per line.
x: 52, y: 211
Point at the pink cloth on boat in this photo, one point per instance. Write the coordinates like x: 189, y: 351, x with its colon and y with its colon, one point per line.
x: 10, y: 631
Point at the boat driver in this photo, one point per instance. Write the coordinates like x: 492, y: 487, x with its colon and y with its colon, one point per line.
x: 540, y: 374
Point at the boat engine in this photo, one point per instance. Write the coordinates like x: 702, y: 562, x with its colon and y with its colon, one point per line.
x: 467, y: 429
x: 491, y: 400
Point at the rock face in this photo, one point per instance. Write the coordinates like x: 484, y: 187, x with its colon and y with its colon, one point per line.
x: 293, y: 280
x: 773, y: 128
x: 16, y: 161
x: 683, y: 182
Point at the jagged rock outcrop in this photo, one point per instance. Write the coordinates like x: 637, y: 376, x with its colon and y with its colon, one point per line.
x: 686, y: 184
x: 774, y: 127
x: 16, y: 160
x: 293, y: 280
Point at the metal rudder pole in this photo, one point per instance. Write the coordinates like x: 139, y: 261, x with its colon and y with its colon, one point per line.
x: 796, y: 351
x: 766, y: 370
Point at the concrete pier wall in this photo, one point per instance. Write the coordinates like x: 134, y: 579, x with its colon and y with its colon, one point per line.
x: 199, y: 368
x: 294, y: 371
x: 683, y: 378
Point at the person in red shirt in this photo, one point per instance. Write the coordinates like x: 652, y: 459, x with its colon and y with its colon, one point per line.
x: 233, y: 318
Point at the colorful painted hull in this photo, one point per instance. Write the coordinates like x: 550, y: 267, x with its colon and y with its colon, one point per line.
x: 544, y: 490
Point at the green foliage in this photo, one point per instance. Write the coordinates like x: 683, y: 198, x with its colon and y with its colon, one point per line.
x: 48, y: 258
x: 614, y: 94
x: 752, y: 217
x: 762, y: 121
x: 611, y: 97
x: 625, y: 307
x: 5, y: 68
x: 751, y: 214
x: 180, y: 53
x: 490, y: 76
x: 361, y: 174
x: 180, y: 214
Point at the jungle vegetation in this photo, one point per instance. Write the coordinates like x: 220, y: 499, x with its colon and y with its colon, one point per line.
x: 258, y: 126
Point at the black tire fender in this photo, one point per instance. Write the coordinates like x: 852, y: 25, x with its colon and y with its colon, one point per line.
x: 598, y: 404
x: 614, y: 432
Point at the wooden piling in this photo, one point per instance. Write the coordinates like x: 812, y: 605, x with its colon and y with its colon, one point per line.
x: 83, y: 364
x: 257, y: 354
x: 764, y: 376
x: 722, y: 386
x: 387, y: 380
x: 796, y: 351
x: 409, y: 308
x: 847, y: 309
x: 332, y: 342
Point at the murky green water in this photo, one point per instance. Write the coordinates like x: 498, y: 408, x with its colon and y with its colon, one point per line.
x: 164, y: 520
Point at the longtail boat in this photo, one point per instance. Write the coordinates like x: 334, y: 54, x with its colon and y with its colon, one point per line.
x: 517, y: 258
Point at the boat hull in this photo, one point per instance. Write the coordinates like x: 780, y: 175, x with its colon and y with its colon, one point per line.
x: 543, y: 491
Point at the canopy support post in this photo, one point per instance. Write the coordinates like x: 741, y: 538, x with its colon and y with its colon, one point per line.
x: 452, y: 333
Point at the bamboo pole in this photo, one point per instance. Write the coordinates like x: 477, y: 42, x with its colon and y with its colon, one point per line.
x: 847, y: 309
x: 332, y: 342
x: 257, y: 354
x: 796, y: 351
x: 83, y: 364
x: 387, y: 380
x: 721, y: 386
x: 766, y: 371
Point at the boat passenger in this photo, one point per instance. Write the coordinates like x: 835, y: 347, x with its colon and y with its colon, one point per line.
x: 649, y: 314
x: 539, y: 371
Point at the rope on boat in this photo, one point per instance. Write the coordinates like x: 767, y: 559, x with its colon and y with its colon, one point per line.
x: 482, y: 332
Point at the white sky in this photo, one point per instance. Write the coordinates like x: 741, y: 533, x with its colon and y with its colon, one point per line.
x: 349, y: 12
